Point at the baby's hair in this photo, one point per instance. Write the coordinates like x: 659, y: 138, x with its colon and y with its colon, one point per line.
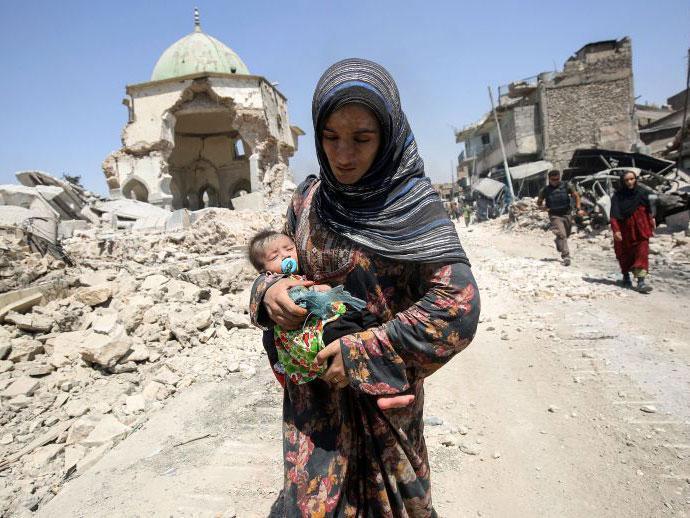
x: 257, y: 244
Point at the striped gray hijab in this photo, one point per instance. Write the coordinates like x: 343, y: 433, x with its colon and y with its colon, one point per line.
x: 392, y: 210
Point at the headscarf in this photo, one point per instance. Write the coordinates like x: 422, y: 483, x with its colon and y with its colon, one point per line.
x: 392, y: 210
x: 625, y: 201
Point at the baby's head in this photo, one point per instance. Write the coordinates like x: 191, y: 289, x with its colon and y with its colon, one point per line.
x: 268, y: 248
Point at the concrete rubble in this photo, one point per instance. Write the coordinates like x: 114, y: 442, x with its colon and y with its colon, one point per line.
x: 89, y: 350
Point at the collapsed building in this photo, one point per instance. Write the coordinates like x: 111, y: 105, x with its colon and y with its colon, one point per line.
x: 664, y: 136
x: 202, y: 131
x: 545, y: 118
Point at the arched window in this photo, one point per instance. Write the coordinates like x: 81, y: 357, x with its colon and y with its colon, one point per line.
x: 135, y: 190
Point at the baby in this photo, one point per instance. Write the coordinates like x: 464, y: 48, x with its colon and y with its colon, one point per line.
x: 293, y: 353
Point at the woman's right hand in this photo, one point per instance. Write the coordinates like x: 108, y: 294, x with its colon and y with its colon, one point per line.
x: 280, y: 307
x: 617, y: 236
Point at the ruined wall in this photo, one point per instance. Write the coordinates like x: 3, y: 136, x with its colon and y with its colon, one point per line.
x: 153, y: 152
x: 527, y: 129
x: 590, y: 104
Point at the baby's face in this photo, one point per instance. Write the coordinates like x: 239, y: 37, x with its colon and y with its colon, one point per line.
x: 275, y: 251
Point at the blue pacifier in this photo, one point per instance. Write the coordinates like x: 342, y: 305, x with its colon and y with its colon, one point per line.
x: 288, y: 265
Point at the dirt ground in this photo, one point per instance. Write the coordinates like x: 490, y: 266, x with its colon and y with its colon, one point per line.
x: 573, y: 401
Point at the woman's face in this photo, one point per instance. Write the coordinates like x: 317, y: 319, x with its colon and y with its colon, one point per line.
x: 350, y: 139
x: 629, y: 179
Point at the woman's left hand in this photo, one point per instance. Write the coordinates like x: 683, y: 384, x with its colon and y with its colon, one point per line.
x: 335, y: 375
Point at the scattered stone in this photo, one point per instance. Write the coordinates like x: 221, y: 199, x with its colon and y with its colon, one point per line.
x: 433, y: 421
x: 469, y: 449
x: 93, y: 295
x: 553, y: 409
x: 24, y: 386
x: 34, y: 323
x: 6, y: 439
x: 165, y: 376
x: 76, y: 408
x: 649, y: 409
x: 108, y: 429
x: 135, y: 403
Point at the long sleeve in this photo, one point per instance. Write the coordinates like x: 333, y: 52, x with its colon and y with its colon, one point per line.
x: 615, y: 225
x: 257, y: 311
x: 422, y: 338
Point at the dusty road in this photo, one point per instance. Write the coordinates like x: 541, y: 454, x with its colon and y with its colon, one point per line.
x: 573, y: 401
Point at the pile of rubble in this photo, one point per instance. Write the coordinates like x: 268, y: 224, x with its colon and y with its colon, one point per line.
x: 88, y: 351
x: 525, y: 216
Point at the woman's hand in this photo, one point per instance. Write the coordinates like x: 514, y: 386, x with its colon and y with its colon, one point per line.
x: 617, y: 236
x: 280, y: 307
x: 335, y: 375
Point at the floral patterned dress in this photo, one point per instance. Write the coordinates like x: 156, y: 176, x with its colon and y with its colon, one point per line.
x: 343, y: 456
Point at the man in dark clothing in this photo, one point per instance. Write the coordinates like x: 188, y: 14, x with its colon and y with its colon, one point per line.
x: 557, y: 195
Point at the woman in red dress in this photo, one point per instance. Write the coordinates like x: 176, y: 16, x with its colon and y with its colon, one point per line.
x: 632, y: 225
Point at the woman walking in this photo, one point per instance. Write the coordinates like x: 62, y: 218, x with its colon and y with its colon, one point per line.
x: 632, y: 225
x: 373, y: 222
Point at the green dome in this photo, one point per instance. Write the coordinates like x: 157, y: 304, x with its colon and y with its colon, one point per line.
x: 197, y: 52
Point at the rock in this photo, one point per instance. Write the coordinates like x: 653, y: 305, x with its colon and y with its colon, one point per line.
x: 233, y: 366
x: 76, y: 408
x: 433, y: 421
x: 121, y: 368
x: 469, y: 450
x: 649, y: 409
x: 5, y: 351
x: 153, y: 282
x: 553, y: 409
x: 6, y: 439
x: 97, y: 277
x: 462, y: 430
x: 181, y: 291
x: 101, y: 408
x: 93, y: 295
x: 496, y: 455
x: 165, y: 376
x: 107, y: 430
x: 6, y: 366
x: 73, y: 454
x: 154, y: 391
x: 41, y: 457
x: 24, y: 350
x: 105, y: 350
x: 225, y: 277
x: 135, y: 403
x: 40, y: 370
x: 236, y: 319
x: 448, y: 441
x: 81, y: 428
x: 138, y: 353
x: 503, y: 316
x: 19, y: 402
x: 202, y: 319
x: 104, y: 321
x: 34, y: 323
x: 23, y: 386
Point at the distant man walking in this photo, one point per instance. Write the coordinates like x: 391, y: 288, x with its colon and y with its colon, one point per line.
x: 557, y: 195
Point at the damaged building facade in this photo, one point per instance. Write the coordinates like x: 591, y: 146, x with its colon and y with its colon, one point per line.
x: 544, y: 119
x: 202, y: 132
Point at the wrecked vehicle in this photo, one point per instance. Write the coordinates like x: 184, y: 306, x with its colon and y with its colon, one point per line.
x: 669, y: 188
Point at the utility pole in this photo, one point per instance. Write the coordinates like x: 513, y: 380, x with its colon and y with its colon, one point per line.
x: 503, y: 149
x: 685, y: 114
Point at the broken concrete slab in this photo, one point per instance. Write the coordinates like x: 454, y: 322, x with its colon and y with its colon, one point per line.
x: 25, y: 349
x: 23, y: 386
x: 34, y: 323
x: 104, y: 350
x: 93, y: 295
x: 107, y: 430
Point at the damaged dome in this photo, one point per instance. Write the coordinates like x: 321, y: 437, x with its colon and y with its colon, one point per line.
x: 197, y: 52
